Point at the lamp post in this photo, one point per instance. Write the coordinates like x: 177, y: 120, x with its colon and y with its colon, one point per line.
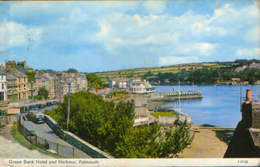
x: 32, y: 90
x: 68, y: 115
x: 240, y: 99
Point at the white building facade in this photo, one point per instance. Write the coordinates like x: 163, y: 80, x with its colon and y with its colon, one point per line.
x: 121, y: 83
x: 133, y: 85
x: 139, y: 86
x: 3, y: 87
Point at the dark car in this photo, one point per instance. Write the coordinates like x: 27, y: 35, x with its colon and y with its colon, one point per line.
x: 55, y: 103
x: 39, y: 118
x: 32, y: 107
x: 36, y: 117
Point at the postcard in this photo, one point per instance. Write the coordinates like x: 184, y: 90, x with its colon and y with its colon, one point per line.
x: 130, y: 83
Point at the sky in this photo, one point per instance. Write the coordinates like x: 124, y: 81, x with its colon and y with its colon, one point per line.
x: 93, y: 36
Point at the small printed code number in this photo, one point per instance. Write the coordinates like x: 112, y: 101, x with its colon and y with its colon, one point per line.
x: 242, y: 161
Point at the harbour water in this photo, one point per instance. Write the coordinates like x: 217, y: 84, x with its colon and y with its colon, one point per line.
x: 220, y: 105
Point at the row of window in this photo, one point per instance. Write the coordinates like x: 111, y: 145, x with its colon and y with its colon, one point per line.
x: 2, y: 96
x: 3, y: 86
x: 22, y: 79
x: 2, y: 77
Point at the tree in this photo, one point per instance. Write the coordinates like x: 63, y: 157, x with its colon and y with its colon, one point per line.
x: 176, y: 140
x: 72, y: 70
x: 147, y: 75
x: 31, y: 76
x: 109, y: 126
x: 95, y: 81
x: 43, y: 93
x: 31, y: 80
x: 99, y: 122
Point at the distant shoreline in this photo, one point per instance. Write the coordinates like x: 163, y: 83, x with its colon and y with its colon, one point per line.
x: 201, y: 84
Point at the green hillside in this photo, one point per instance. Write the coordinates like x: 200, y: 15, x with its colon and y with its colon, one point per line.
x: 141, y: 72
x: 195, y: 73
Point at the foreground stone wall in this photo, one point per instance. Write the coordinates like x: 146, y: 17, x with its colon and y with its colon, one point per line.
x: 256, y: 115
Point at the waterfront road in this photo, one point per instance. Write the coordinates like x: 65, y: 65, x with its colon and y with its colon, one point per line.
x: 44, y: 131
x: 56, y: 144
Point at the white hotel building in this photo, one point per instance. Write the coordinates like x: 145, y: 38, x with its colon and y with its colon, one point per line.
x: 140, y: 87
x: 3, y: 86
x: 133, y: 85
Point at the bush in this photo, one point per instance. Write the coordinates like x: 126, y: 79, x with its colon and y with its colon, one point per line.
x: 109, y: 126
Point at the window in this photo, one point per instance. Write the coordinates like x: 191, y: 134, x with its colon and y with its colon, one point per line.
x: 3, y: 86
x: 1, y: 96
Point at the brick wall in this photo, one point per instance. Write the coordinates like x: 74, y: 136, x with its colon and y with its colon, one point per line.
x: 256, y: 115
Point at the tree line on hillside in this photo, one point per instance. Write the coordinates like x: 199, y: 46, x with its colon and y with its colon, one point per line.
x: 109, y: 126
x: 241, y: 62
x: 204, y: 76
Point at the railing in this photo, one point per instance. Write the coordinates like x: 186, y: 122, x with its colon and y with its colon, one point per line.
x: 56, y: 148
x: 89, y: 149
x: 189, y: 93
x: 78, y: 148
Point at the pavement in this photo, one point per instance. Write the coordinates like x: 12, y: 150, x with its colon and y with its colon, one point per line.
x: 9, y: 148
x: 205, y: 145
x: 56, y: 144
x: 44, y: 131
x: 44, y: 135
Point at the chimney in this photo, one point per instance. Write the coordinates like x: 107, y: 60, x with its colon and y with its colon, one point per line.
x: 248, y: 95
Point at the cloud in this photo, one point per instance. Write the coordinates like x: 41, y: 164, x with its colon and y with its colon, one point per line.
x: 184, y: 34
x: 203, y: 28
x: 139, y: 33
x: 205, y: 48
x: 253, y: 35
x: 18, y: 35
x: 49, y: 11
x: 246, y: 53
x: 159, y: 31
x: 229, y: 15
x: 154, y: 7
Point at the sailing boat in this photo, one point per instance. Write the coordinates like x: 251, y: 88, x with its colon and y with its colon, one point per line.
x: 179, y: 99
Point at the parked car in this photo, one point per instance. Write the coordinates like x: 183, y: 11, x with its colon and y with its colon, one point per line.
x: 32, y: 107
x: 55, y: 103
x: 36, y: 117
x: 39, y: 118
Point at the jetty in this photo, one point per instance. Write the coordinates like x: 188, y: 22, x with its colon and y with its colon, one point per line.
x: 183, y: 95
x: 177, y: 95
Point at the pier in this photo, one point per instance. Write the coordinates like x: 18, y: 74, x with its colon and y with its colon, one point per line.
x: 172, y: 96
x: 182, y: 94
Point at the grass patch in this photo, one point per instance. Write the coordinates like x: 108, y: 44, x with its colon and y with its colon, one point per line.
x: 163, y: 114
x: 20, y: 139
